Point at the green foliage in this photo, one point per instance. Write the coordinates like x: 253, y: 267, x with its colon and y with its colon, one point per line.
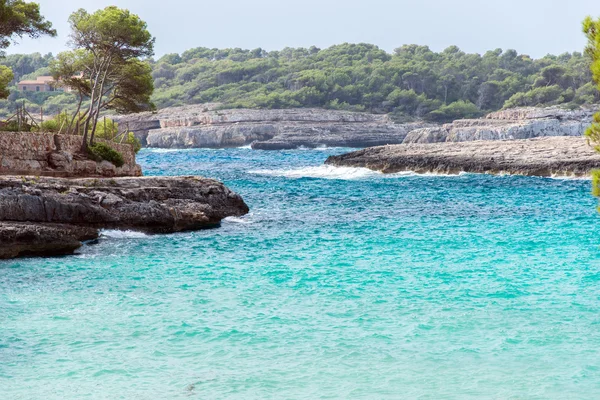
x: 6, y: 75
x: 545, y: 95
x: 591, y: 28
x: 112, y: 31
x: 458, y: 109
x: 132, y: 87
x: 109, y: 44
x: 134, y: 142
x: 596, y: 183
x: 101, y: 151
x: 56, y: 124
x: 20, y: 18
x: 412, y: 83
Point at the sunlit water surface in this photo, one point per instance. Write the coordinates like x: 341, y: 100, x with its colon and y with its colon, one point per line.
x: 341, y: 283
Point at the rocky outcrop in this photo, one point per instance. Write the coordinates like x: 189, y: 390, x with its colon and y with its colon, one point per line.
x: 205, y: 125
x: 520, y: 123
x: 36, y: 213
x: 46, y: 154
x: 19, y: 239
x: 363, y: 134
x: 550, y: 156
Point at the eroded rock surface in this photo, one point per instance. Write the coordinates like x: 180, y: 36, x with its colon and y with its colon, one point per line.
x: 18, y: 239
x: 513, y: 124
x: 550, y: 156
x: 148, y: 204
x: 205, y: 125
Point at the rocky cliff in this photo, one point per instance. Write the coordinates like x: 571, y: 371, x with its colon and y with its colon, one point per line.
x: 206, y: 126
x: 520, y: 123
x: 46, y: 154
x: 49, y: 216
x: 548, y: 156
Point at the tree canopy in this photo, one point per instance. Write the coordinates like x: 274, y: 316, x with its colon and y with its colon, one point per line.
x: 591, y: 28
x: 412, y: 82
x: 19, y: 18
x: 108, y: 47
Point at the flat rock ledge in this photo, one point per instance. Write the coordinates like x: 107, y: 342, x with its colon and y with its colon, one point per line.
x: 52, y: 216
x: 548, y: 156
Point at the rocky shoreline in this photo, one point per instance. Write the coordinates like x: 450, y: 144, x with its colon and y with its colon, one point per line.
x: 50, y: 216
x: 549, y: 156
x: 512, y: 124
x: 208, y: 126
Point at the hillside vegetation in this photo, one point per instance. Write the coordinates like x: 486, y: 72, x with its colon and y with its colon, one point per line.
x: 413, y: 82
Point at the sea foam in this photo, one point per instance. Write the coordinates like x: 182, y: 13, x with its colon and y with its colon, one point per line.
x: 117, y: 234
x: 320, y: 172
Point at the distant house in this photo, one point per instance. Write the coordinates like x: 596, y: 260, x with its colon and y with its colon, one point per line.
x: 41, y: 84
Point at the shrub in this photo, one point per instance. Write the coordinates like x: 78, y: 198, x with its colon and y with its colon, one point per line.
x: 453, y: 111
x: 101, y: 151
x: 133, y: 141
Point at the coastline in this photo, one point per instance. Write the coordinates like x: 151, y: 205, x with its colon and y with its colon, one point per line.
x: 547, y: 157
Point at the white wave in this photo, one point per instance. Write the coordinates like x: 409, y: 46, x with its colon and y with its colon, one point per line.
x: 570, y: 178
x: 326, y: 148
x: 345, y: 173
x: 322, y: 172
x: 425, y: 174
x: 239, y: 220
x: 247, y: 147
x: 323, y: 147
x: 117, y: 234
x: 160, y: 150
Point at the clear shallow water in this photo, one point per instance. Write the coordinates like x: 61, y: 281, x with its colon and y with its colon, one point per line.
x: 341, y: 283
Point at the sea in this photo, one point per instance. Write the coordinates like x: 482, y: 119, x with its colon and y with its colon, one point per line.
x: 341, y: 283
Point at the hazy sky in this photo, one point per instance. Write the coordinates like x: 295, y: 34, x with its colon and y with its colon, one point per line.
x: 534, y: 27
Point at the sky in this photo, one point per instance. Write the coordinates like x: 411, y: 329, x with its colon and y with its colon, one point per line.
x: 533, y: 27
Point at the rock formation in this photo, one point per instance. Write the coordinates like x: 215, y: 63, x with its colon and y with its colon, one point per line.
x: 206, y: 126
x: 549, y: 156
x: 49, y: 216
x: 18, y: 239
x: 519, y: 123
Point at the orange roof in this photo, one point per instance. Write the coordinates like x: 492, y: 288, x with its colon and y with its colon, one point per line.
x: 41, y: 80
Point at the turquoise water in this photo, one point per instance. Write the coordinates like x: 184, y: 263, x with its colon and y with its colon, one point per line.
x: 341, y: 283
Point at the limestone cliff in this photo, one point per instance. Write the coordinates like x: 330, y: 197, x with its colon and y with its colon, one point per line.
x: 206, y: 126
x: 520, y: 123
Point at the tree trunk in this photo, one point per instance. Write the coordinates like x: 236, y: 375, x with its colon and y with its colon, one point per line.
x: 95, y: 75
x: 76, y: 115
x: 98, y: 106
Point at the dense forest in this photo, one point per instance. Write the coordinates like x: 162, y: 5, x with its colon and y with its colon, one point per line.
x: 413, y: 82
